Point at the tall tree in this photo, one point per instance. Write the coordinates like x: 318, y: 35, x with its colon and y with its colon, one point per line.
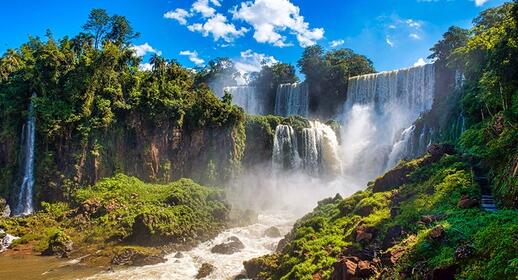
x: 98, y: 25
x: 121, y: 32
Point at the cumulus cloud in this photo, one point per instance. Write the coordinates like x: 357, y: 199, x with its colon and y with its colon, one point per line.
x: 179, y: 15
x: 336, y: 43
x: 249, y: 62
x: 142, y: 50
x: 420, y: 62
x: 270, y: 18
x: 202, y: 7
x: 193, y: 57
x: 218, y: 27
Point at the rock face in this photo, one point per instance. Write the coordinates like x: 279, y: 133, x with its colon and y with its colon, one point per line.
x: 205, y: 270
x: 5, y: 210
x: 230, y: 246
x: 134, y: 146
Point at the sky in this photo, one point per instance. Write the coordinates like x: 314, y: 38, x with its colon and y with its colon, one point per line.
x: 392, y: 33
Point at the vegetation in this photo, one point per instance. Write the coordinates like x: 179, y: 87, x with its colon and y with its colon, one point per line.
x: 327, y: 75
x: 399, y: 224
x: 123, y: 211
x: 89, y: 86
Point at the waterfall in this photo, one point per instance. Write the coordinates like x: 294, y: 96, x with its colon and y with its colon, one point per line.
x: 379, y: 114
x: 318, y: 150
x: 246, y: 97
x: 292, y: 99
x: 25, y: 204
x: 285, y: 151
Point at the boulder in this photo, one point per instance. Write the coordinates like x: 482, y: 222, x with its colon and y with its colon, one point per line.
x: 437, y: 233
x: 365, y: 269
x: 133, y: 257
x: 345, y: 269
x: 364, y: 234
x: 230, y: 246
x: 392, y: 256
x: 59, y: 245
x: 178, y: 255
x: 205, y: 270
x: 438, y: 150
x: 272, y: 232
x: 5, y: 210
x: 465, y: 202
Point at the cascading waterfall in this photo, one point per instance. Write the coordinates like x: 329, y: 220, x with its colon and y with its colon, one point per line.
x: 379, y: 115
x: 25, y: 204
x: 246, y: 97
x: 318, y: 150
x: 292, y: 99
x: 285, y: 150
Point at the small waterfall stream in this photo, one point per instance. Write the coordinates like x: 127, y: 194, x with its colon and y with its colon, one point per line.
x: 292, y: 99
x: 24, y: 205
x: 247, y: 98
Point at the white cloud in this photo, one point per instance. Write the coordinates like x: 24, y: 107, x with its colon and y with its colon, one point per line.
x: 180, y: 15
x: 479, y: 3
x: 414, y: 36
x: 389, y: 42
x: 142, y: 50
x: 420, y: 62
x: 336, y: 43
x: 145, y: 67
x: 193, y: 57
x: 202, y: 7
x: 250, y: 62
x: 271, y: 17
x: 219, y: 28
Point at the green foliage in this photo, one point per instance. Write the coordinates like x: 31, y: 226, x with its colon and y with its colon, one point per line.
x: 327, y: 75
x: 319, y: 238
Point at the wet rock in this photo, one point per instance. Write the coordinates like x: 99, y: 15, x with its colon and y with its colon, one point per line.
x: 282, y: 244
x: 391, y: 257
x: 394, y: 236
x: 6, y: 240
x: 5, y: 210
x: 465, y: 202
x: 438, y: 150
x: 437, y: 233
x: 364, y: 234
x: 133, y: 257
x: 272, y: 232
x: 240, y: 277
x: 178, y: 255
x: 60, y: 245
x: 205, y: 270
x: 345, y: 269
x: 230, y: 246
x: 365, y: 269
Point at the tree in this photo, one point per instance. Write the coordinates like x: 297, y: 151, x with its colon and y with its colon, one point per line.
x: 121, y: 32
x: 218, y: 74
x: 98, y: 25
x: 269, y: 78
x: 453, y: 39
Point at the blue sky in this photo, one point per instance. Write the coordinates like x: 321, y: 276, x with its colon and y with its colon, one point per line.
x: 392, y: 33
